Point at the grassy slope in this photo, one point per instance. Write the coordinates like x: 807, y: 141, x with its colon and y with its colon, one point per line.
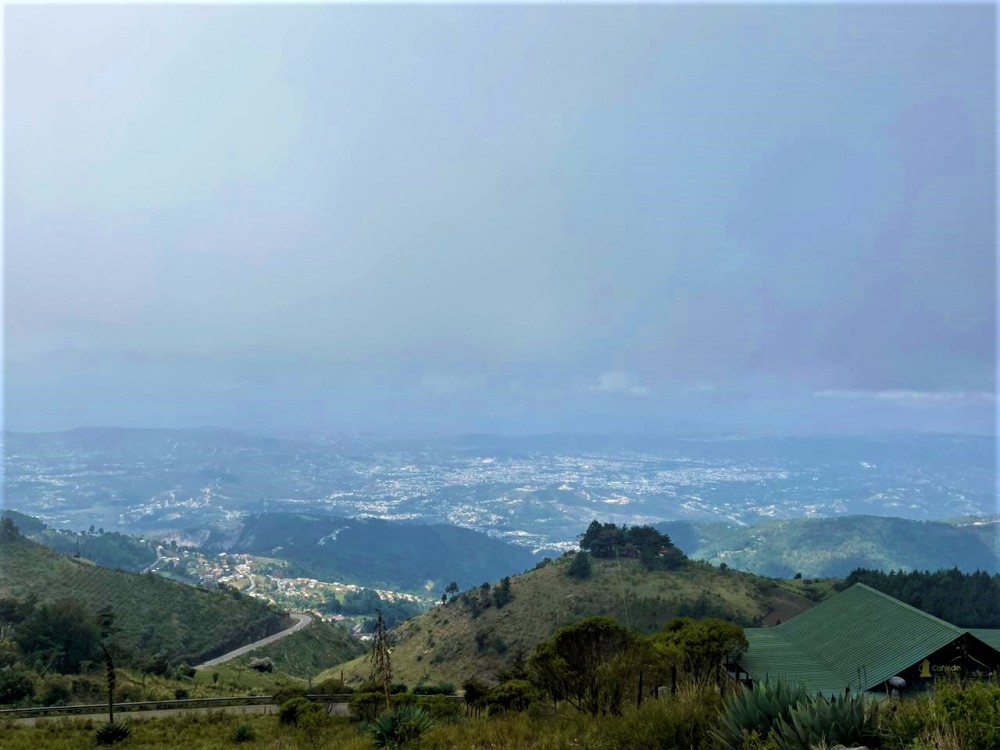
x: 441, y: 644
x: 309, y: 651
x: 833, y: 547
x: 153, y: 613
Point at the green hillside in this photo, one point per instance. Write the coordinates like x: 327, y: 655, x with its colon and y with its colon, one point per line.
x: 387, y: 554
x: 155, y: 615
x: 464, y: 638
x: 833, y: 547
x: 111, y: 549
x: 308, y: 651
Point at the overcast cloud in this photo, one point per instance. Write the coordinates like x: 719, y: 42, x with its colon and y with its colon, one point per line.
x: 448, y: 218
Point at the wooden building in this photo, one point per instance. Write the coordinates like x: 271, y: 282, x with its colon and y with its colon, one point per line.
x: 859, y: 639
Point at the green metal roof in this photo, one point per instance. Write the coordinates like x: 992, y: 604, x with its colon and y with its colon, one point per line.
x: 771, y: 655
x: 989, y: 637
x: 858, y: 638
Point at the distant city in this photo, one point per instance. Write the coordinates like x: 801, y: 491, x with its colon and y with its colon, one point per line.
x: 537, y: 492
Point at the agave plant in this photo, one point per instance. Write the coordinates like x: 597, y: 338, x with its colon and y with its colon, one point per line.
x: 110, y: 733
x: 243, y: 733
x: 819, y: 720
x: 755, y: 712
x: 399, y: 728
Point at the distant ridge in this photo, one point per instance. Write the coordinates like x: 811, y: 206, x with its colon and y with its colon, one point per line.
x: 833, y: 547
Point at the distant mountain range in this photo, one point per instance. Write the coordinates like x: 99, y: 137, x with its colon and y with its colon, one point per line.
x: 424, y: 558
x: 833, y: 547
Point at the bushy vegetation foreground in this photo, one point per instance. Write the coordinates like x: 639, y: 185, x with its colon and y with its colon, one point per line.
x: 953, y: 717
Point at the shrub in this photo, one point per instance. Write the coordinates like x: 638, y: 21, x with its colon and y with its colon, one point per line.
x: 56, y: 690
x: 580, y: 568
x: 972, y: 710
x: 287, y: 693
x: 111, y: 734
x: 442, y: 688
x: 243, y: 733
x: 365, y: 706
x: 679, y: 721
x: 88, y: 690
x: 129, y: 692
x: 513, y: 695
x: 9, y: 653
x: 474, y: 693
x: 441, y: 707
x: 16, y: 683
x: 375, y: 687
x: 180, y: 694
x: 332, y: 686
x: 293, y: 712
x: 902, y: 722
x: 401, y: 727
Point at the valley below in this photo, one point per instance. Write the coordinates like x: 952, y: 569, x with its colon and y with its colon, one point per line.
x: 197, y: 486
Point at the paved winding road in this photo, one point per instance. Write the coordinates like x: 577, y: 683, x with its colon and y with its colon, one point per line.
x: 302, y: 620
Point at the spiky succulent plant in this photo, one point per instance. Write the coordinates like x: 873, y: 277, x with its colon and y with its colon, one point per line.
x: 755, y: 712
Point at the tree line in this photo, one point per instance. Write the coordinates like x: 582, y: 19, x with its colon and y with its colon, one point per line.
x: 969, y: 600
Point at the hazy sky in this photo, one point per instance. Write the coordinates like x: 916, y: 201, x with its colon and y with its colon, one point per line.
x: 529, y: 218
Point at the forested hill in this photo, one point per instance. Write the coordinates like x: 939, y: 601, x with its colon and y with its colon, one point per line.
x: 833, y: 547
x: 372, y: 552
x: 154, y: 615
x: 480, y: 632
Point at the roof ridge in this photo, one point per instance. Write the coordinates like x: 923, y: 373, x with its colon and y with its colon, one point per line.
x: 910, y: 607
